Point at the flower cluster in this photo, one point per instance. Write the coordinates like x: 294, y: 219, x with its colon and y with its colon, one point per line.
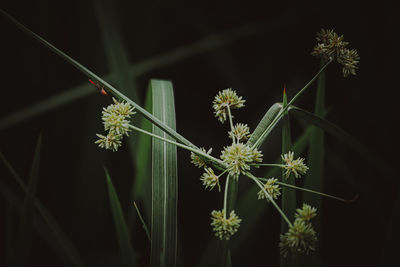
x: 272, y: 189
x: 197, y: 160
x: 240, y: 131
x: 296, y: 167
x: 301, y: 236
x: 332, y: 47
x: 224, y: 99
x: 224, y: 228
x: 115, y: 119
x: 238, y: 156
x: 210, y: 180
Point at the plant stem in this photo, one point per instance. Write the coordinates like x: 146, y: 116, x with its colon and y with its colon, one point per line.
x: 255, y: 179
x: 194, y: 150
x: 226, y: 196
x: 284, y: 109
x: 231, y: 122
x: 143, y: 223
x: 268, y: 165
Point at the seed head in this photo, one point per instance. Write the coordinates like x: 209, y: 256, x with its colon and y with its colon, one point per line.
x: 210, y: 179
x: 300, y: 238
x: 197, y: 160
x: 112, y: 141
x: 306, y: 213
x: 297, y: 167
x: 224, y: 228
x: 240, y: 132
x: 349, y: 60
x: 222, y: 100
x: 272, y: 189
x: 238, y: 156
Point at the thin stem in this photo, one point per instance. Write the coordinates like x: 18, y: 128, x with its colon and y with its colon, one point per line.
x: 194, y: 150
x: 143, y: 223
x: 226, y: 196
x: 255, y: 179
x: 284, y: 109
x: 231, y: 122
x: 312, y: 191
x: 269, y: 165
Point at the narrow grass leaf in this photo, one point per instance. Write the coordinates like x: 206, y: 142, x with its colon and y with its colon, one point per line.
x: 123, y: 236
x: 288, y: 194
x: 315, y: 176
x: 270, y: 115
x: 164, y: 180
x: 106, y: 85
x: 23, y: 245
x: 46, y: 225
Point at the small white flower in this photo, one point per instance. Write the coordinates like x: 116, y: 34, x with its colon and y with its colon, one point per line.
x: 222, y: 100
x: 272, y: 189
x: 306, y: 213
x: 224, y: 228
x: 240, y: 132
x: 210, y: 179
x: 115, y: 123
x: 111, y: 141
x: 238, y: 157
x: 297, y: 167
x: 197, y: 160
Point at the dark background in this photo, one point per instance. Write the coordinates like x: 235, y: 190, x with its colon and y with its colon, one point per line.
x: 271, y: 46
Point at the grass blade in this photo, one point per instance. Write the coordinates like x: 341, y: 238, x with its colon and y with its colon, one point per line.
x: 48, y: 226
x: 164, y: 179
x: 23, y: 243
x: 123, y: 236
x: 106, y: 85
x: 315, y: 176
x: 265, y: 122
x: 288, y: 194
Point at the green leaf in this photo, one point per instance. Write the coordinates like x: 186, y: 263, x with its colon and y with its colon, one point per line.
x: 46, y: 225
x: 315, y: 176
x: 106, y: 85
x: 123, y: 236
x: 23, y: 245
x: 288, y: 194
x: 263, y: 128
x: 164, y: 179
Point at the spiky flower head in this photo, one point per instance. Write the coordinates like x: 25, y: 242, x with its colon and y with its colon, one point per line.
x: 197, y: 160
x: 296, y: 167
x: 306, y: 213
x: 237, y: 158
x: 115, y: 117
x: 331, y: 46
x: 224, y: 228
x: 210, y: 180
x: 222, y: 100
x: 272, y: 189
x: 240, y: 132
x: 120, y: 108
x: 300, y: 238
x: 112, y: 141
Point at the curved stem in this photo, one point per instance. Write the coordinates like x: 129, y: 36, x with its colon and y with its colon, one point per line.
x: 231, y: 123
x: 255, y: 179
x: 226, y: 196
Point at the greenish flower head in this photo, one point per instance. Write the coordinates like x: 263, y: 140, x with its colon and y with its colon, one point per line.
x: 224, y: 228
x: 240, y: 132
x: 300, y: 238
x: 238, y: 156
x: 272, y: 189
x: 222, y: 100
x: 331, y: 46
x: 296, y: 167
x: 197, y: 160
x: 306, y: 213
x: 111, y: 141
x: 210, y: 180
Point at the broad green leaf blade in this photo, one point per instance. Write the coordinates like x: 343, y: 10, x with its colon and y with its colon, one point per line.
x: 315, y: 175
x: 259, y: 135
x: 23, y: 243
x: 342, y: 136
x: 164, y: 179
x: 46, y: 225
x: 288, y: 194
x: 123, y: 236
x: 106, y: 85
